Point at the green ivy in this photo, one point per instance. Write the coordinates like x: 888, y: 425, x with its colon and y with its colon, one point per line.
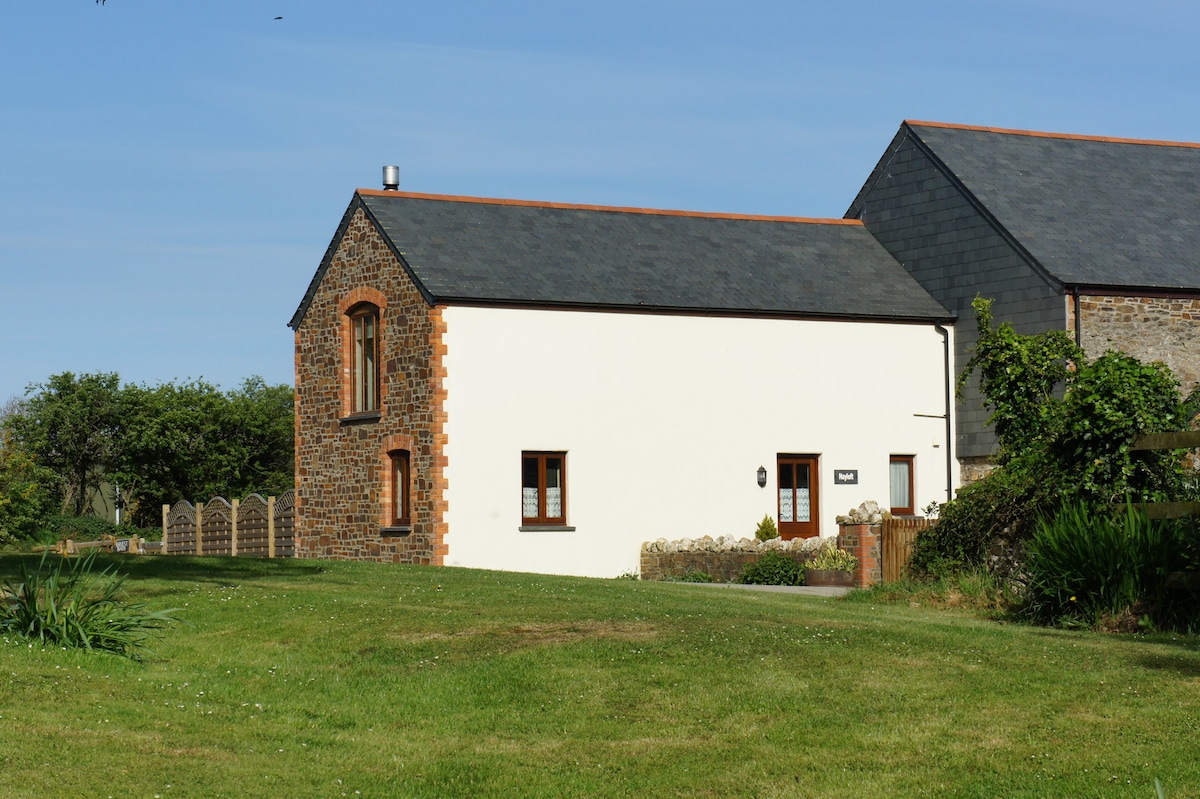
x: 1066, y: 428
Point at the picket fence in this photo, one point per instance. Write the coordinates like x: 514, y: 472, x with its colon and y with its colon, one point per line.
x: 253, y: 527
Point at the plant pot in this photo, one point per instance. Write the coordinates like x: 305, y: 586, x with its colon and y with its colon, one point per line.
x: 827, y: 577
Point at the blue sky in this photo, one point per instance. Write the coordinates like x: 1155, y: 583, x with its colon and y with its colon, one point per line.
x: 172, y: 172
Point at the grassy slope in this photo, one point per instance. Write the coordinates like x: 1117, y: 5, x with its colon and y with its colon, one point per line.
x: 312, y: 679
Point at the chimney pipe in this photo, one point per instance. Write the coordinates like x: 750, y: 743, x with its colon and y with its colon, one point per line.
x: 391, y: 178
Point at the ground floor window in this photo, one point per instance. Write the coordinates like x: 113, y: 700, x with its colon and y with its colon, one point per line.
x: 543, y: 487
x: 901, y: 474
x: 400, y: 504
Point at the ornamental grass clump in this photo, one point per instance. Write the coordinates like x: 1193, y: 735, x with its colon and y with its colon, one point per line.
x: 1111, y: 570
x: 78, y: 607
x: 831, y: 557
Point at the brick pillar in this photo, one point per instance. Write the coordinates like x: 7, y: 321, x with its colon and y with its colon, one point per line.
x: 865, y: 542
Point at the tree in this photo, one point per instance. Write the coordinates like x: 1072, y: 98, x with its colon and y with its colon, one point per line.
x: 25, y: 491
x: 71, y: 426
x: 160, y: 444
x: 191, y: 441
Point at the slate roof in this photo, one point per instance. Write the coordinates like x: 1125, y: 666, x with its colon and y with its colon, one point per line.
x: 462, y: 249
x: 1091, y: 211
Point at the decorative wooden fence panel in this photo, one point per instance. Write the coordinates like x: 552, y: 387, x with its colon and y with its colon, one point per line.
x: 898, y: 537
x: 256, y: 527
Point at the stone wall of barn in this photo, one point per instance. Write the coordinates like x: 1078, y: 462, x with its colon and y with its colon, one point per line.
x: 1163, y: 329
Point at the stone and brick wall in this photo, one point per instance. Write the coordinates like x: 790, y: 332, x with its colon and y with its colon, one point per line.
x: 342, y: 483
x: 723, y: 567
x: 865, y: 542
x: 1163, y: 329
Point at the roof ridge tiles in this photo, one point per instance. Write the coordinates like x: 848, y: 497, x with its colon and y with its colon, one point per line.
x: 606, y: 208
x: 1047, y: 135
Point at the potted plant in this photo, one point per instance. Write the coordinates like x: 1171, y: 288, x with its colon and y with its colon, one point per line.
x: 831, y: 566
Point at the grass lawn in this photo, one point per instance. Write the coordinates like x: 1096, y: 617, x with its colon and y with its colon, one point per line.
x: 318, y: 679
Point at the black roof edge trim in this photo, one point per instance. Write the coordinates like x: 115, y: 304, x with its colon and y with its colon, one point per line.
x: 355, y: 203
x: 855, y: 209
x: 974, y: 202
x: 674, y: 310
x: 1112, y: 290
x: 311, y: 291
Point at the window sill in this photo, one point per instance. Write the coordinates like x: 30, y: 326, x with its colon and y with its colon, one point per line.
x: 399, y: 529
x: 545, y: 528
x: 361, y: 418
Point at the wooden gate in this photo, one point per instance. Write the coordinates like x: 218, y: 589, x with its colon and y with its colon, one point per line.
x: 898, y: 536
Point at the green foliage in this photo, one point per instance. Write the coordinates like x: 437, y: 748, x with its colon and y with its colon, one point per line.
x: 79, y: 608
x: 1066, y: 427
x: 832, y: 557
x: 26, y: 494
x: 91, y: 528
x: 191, y: 441
x: 160, y: 444
x: 773, y: 568
x: 1003, y: 504
x: 1018, y: 376
x: 975, y: 590
x: 766, y: 529
x: 1111, y: 401
x: 1091, y: 568
x: 695, y: 576
x: 71, y: 426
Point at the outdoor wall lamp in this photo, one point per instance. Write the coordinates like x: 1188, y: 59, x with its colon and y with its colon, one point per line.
x: 762, y: 476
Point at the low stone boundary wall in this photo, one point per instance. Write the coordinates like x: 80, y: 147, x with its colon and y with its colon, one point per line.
x: 722, y: 558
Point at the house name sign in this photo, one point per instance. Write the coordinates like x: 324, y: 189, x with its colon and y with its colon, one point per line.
x: 845, y: 477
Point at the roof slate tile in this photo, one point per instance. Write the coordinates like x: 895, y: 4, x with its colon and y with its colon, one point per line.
x: 1098, y: 212
x: 468, y: 249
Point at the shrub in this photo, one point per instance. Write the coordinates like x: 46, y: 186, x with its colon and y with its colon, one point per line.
x: 1092, y: 568
x: 93, y: 528
x: 766, y: 529
x: 773, y: 568
x: 78, y: 608
x: 1066, y: 428
x: 831, y: 557
x: 1003, y: 504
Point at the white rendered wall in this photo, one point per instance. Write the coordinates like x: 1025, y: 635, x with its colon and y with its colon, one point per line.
x: 665, y: 421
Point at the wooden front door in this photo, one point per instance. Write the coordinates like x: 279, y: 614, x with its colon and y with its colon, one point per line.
x: 798, y: 511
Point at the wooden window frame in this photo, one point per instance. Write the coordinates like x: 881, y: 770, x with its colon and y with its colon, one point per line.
x: 400, y: 501
x: 363, y: 376
x: 541, y: 458
x: 909, y: 510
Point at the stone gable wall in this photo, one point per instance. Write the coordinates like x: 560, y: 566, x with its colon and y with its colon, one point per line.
x: 1150, y: 328
x: 341, y: 489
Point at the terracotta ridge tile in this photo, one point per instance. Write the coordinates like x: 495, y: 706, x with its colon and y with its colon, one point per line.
x: 1045, y: 135
x: 607, y: 208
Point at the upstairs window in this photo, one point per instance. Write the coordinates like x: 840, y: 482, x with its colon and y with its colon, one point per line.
x: 543, y: 487
x: 901, y: 474
x: 364, y: 358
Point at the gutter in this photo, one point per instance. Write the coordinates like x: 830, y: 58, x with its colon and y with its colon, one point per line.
x: 949, y: 430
